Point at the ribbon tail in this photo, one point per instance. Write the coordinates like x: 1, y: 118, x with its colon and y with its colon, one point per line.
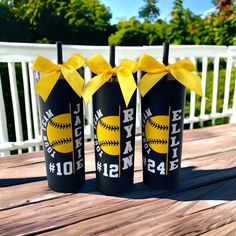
x: 127, y: 84
x: 94, y: 84
x: 46, y: 83
x: 74, y: 79
x: 148, y: 81
x: 188, y: 79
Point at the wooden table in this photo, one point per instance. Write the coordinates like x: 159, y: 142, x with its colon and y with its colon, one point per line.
x: 203, y: 204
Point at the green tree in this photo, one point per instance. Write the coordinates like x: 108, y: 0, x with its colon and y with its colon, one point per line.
x: 219, y: 27
x: 87, y: 22
x: 12, y: 29
x: 71, y: 21
x: 224, y: 7
x: 226, y: 22
x: 135, y: 33
x: 182, y: 26
x: 46, y: 19
x: 90, y: 21
x: 129, y: 33
x: 149, y: 11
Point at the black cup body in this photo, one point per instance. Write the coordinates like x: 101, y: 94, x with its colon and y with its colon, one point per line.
x: 162, y: 131
x: 63, y: 138
x: 114, y: 139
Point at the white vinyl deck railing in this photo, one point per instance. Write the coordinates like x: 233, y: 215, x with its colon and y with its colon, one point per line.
x: 22, y: 55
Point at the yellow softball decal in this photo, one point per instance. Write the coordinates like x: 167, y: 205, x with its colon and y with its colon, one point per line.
x: 59, y: 133
x: 108, y: 135
x: 157, y: 133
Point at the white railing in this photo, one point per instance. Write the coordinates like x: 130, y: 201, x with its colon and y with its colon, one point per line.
x: 12, y: 54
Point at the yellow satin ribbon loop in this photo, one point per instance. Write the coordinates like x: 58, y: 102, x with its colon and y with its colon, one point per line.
x: 51, y: 73
x: 181, y: 71
x: 104, y: 71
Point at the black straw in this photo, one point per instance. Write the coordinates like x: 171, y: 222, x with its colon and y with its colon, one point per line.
x: 112, y: 55
x: 165, y: 59
x: 59, y: 52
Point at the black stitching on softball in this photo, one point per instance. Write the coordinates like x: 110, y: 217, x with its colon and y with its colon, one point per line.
x: 109, y: 127
x: 59, y: 125
x: 157, y: 141
x: 157, y: 126
x: 108, y: 143
x: 60, y: 142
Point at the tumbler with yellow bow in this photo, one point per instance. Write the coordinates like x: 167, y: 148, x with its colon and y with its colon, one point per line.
x: 114, y: 110
x: 163, y: 99
x: 61, y: 106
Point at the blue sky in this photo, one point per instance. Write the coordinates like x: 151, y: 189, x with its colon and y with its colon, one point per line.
x: 129, y: 8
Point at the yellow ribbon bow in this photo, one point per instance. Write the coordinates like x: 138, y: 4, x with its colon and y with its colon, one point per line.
x: 51, y: 73
x: 181, y: 71
x: 104, y: 71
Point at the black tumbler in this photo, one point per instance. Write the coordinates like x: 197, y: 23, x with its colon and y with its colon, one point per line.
x: 63, y: 138
x: 114, y: 139
x: 162, y: 130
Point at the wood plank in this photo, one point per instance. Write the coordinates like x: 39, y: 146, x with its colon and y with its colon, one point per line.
x: 194, y: 224
x: 22, y: 174
x: 32, y: 157
x: 226, y: 230
x: 198, y: 134
x: 189, y: 135
x: 203, y: 174
x: 28, y: 168
x: 21, y: 159
x: 208, y: 132
x: 194, y: 173
x: 86, y: 205
x: 209, y: 146
x: 18, y: 195
x: 194, y: 211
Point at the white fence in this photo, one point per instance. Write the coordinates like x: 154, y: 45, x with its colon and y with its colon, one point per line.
x: 22, y: 55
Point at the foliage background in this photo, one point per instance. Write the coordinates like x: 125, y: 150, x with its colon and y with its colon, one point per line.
x: 88, y: 23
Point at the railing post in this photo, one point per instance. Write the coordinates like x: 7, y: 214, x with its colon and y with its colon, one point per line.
x: 34, y: 105
x: 233, y: 117
x: 204, y: 80
x: 27, y: 102
x: 227, y: 83
x: 215, y: 88
x: 15, y: 103
x: 3, y: 121
x: 88, y: 109
x: 192, y: 100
